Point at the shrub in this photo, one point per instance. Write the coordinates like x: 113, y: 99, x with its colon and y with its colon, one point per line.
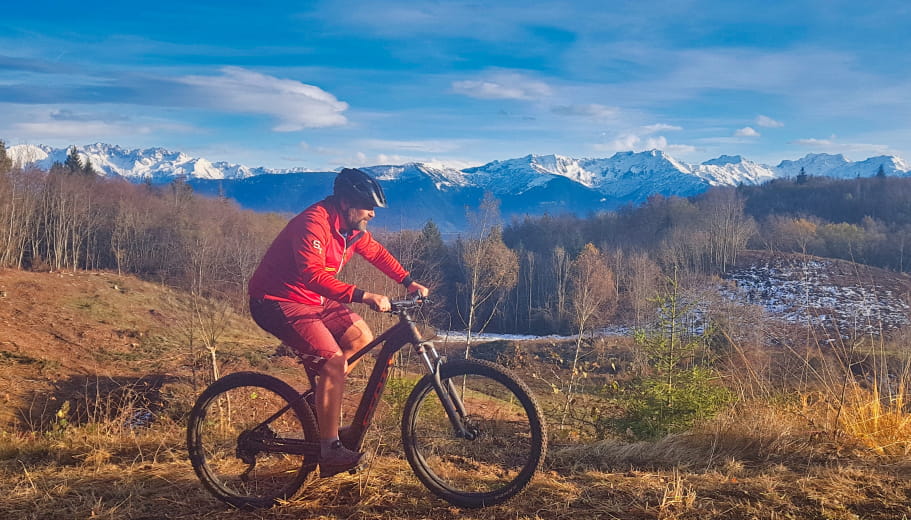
x: 679, y: 387
x: 657, y: 405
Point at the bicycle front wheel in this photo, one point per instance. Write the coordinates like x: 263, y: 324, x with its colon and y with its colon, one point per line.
x: 505, y: 443
x: 233, y: 432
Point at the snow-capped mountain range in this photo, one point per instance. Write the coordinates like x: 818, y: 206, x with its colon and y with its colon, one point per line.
x: 155, y: 164
x: 532, y: 184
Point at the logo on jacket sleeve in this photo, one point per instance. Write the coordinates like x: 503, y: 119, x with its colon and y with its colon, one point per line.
x: 318, y: 245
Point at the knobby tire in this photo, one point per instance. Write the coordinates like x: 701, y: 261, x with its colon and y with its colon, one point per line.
x: 223, y: 413
x: 510, y: 439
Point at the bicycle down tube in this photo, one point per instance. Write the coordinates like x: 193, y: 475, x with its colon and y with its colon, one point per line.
x: 394, y: 339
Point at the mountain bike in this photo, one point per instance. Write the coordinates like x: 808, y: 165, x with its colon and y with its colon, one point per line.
x: 471, y: 430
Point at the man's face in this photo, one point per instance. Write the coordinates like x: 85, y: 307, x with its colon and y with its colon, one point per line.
x: 357, y: 218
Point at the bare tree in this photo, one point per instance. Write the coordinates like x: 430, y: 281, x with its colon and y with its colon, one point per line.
x: 16, y: 210
x: 594, y: 297
x: 642, y: 283
x: 728, y: 227
x: 561, y: 262
x: 245, y: 241
x: 489, y: 268
x: 789, y: 234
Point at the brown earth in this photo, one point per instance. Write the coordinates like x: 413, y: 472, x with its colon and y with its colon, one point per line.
x: 69, y: 331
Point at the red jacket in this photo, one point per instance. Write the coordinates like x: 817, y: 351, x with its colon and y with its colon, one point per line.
x: 302, y: 263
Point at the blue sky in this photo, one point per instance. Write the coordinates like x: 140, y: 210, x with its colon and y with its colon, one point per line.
x: 320, y: 85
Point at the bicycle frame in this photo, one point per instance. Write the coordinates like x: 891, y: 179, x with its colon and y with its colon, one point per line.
x: 393, y: 339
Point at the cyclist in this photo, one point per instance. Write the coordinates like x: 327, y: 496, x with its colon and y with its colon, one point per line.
x: 296, y: 296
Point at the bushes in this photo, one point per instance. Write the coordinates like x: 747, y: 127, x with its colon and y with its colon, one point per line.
x: 678, y: 385
x: 657, y: 405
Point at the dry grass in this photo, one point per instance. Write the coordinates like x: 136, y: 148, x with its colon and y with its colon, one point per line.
x: 813, y: 437
x: 879, y: 423
x: 755, y: 462
x: 760, y: 459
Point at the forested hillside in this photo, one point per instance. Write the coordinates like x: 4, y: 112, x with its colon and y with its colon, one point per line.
x: 520, y: 276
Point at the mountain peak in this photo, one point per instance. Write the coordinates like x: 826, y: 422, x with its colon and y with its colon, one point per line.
x: 724, y: 159
x: 629, y: 175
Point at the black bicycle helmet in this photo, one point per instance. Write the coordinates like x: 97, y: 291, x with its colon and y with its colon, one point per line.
x: 359, y: 189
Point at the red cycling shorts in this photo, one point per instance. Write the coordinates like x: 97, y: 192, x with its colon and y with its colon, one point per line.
x: 312, y: 331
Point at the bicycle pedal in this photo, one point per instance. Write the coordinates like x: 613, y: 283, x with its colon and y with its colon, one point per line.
x: 331, y: 472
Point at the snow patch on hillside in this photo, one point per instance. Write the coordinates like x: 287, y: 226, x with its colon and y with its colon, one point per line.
x: 814, y: 292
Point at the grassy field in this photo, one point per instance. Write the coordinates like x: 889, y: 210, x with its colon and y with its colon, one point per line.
x: 85, y: 357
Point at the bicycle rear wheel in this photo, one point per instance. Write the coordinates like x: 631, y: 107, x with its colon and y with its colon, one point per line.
x: 507, y: 438
x: 228, y: 433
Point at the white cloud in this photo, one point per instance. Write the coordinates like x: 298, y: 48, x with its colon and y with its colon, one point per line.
x: 813, y: 142
x: 660, y: 127
x: 832, y: 145
x: 621, y: 144
x: 746, y: 131
x: 294, y: 104
x: 63, y: 127
x: 363, y: 159
x: 430, y: 146
x: 75, y: 130
x: 768, y: 122
x: 636, y: 143
x: 503, y: 86
x: 591, y: 110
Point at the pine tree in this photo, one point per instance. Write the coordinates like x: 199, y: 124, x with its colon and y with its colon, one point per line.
x: 802, y: 176
x: 6, y: 162
x: 73, y: 163
x: 881, y: 172
x: 88, y: 170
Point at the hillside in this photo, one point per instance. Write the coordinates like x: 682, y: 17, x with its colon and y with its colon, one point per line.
x: 843, y: 298
x: 66, y: 330
x: 122, y: 345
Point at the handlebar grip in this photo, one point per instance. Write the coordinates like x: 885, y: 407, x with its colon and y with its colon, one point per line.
x: 412, y: 302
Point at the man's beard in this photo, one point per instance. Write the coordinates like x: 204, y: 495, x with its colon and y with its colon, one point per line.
x: 356, y: 225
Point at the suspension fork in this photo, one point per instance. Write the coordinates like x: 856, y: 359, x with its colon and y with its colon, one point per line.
x: 449, y: 397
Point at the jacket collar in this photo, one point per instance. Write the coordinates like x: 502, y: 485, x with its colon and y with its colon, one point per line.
x: 335, y: 220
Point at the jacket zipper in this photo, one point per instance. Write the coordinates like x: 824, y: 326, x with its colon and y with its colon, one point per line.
x: 341, y: 261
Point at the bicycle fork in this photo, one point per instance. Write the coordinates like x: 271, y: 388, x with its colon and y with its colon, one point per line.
x: 449, y: 397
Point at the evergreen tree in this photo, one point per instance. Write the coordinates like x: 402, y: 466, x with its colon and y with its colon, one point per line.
x: 802, y: 176
x: 73, y: 163
x: 881, y: 172
x: 431, y: 237
x: 6, y: 162
x: 88, y: 170
x: 58, y: 168
x: 679, y: 386
x: 433, y: 257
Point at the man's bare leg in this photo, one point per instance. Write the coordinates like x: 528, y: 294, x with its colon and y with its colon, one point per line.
x: 329, y: 390
x: 330, y: 387
x: 355, y: 338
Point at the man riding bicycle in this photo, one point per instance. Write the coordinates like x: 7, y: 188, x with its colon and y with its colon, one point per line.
x: 296, y: 296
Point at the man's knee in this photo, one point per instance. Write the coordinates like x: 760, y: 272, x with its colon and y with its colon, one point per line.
x: 334, y: 367
x: 357, y: 335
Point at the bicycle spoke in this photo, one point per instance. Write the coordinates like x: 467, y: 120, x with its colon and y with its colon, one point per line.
x: 239, y: 458
x: 504, y: 445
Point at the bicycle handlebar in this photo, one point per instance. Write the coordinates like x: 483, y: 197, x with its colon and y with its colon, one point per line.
x: 407, y: 304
